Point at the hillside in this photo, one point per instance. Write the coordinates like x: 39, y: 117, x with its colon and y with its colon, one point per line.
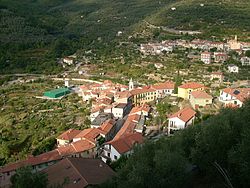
x: 34, y: 33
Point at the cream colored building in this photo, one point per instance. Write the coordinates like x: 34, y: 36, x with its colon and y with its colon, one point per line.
x: 234, y: 44
x: 200, y: 99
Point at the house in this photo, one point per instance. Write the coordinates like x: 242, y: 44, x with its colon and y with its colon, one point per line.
x: 101, y: 118
x: 128, y: 126
x: 233, y: 68
x: 234, y: 97
x: 80, y: 148
x: 141, y: 110
x: 115, y: 148
x: 200, y: 99
x: 217, y: 76
x: 185, y: 90
x: 66, y: 137
x: 164, y: 89
x: 234, y: 44
x: 120, y: 110
x: 206, y: 57
x: 91, y: 134
x: 108, y: 129
x: 245, y: 61
x: 79, y: 172
x: 220, y: 57
x: 143, y: 95
x: 95, y: 112
x: 123, y: 97
x: 181, y: 119
x: 38, y: 163
x: 68, y: 60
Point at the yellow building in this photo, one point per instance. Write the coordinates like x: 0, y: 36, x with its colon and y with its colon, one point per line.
x: 143, y: 95
x: 185, y: 90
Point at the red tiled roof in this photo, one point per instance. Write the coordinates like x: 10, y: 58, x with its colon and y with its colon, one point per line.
x: 123, y: 94
x: 165, y: 85
x: 90, y: 134
x: 107, y: 125
x: 69, y: 134
x: 201, y: 95
x: 144, y: 107
x: 142, y: 90
x: 128, y: 127
x: 76, y: 147
x: 126, y: 143
x: 134, y: 117
x: 241, y: 95
x: 80, y: 172
x: 33, y: 160
x: 192, y: 85
x: 185, y: 114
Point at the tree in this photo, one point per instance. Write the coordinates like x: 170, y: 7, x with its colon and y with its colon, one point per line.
x: 24, y: 178
x: 247, y: 53
x: 214, y: 153
x: 178, y: 82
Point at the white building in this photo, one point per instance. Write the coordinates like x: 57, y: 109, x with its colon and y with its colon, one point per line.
x: 234, y: 97
x: 233, y: 68
x: 120, y: 110
x: 245, y: 61
x: 114, y: 149
x: 206, y: 57
x: 181, y: 119
x: 68, y: 60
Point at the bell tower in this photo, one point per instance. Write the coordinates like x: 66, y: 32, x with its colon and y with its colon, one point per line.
x: 131, y: 85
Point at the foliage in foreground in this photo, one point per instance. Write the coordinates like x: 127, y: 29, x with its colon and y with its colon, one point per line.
x: 25, y: 178
x: 204, y: 155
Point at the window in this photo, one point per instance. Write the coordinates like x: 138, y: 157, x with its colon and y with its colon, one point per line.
x: 108, y: 154
x: 115, y: 157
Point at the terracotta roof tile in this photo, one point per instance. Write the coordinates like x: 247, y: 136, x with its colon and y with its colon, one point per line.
x: 33, y: 160
x: 192, y: 85
x: 165, y: 85
x: 185, y: 114
x: 239, y: 93
x: 80, y: 172
x: 107, y: 125
x: 201, y: 95
x: 69, y: 134
x: 126, y: 143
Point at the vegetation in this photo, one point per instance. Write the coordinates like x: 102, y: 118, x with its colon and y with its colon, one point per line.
x: 30, y: 125
x: 24, y: 178
x: 214, y: 153
x: 31, y: 41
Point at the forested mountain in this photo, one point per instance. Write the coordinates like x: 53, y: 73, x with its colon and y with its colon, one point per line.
x: 35, y: 32
x: 214, y: 153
